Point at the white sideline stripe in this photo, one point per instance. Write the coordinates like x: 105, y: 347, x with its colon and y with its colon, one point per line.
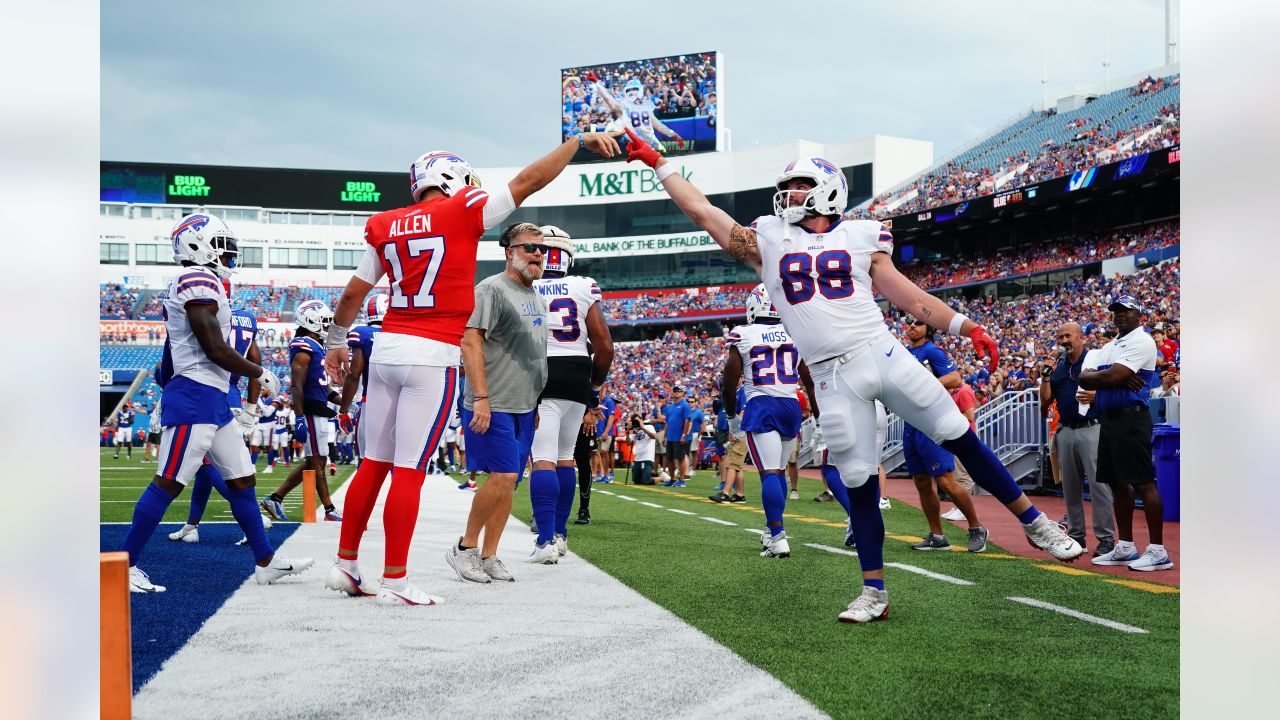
x: 625, y: 497
x: 682, y: 512
x: 1079, y: 615
x: 649, y: 504
x: 753, y: 530
x: 605, y: 492
x: 835, y: 550
x: 929, y: 574
x: 717, y: 521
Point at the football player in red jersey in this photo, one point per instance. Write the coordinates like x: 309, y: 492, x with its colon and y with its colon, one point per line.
x: 428, y: 251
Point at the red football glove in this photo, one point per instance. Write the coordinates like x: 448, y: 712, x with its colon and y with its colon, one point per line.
x: 680, y: 142
x: 344, y: 423
x: 591, y: 75
x: 985, y: 347
x: 638, y: 149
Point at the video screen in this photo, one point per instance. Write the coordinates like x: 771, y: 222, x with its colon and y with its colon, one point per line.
x: 672, y: 103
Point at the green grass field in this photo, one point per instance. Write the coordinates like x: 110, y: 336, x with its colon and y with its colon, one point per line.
x: 962, y: 651
x: 123, y: 481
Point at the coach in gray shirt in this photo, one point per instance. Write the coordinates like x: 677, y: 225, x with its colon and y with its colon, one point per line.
x: 504, y: 350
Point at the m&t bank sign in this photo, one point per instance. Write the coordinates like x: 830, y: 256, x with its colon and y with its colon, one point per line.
x: 626, y: 182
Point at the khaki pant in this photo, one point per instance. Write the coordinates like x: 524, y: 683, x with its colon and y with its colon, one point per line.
x: 735, y: 453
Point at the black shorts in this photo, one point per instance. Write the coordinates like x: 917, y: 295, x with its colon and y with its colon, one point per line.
x: 153, y: 438
x: 677, y: 450
x: 1124, y: 449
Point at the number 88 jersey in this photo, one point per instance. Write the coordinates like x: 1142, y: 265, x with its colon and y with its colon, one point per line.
x: 568, y: 299
x: 770, y: 361
x: 821, y: 283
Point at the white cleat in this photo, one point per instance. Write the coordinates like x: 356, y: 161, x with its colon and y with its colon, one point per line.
x: 266, y: 521
x: 766, y: 539
x: 544, y: 554
x: 140, y: 583
x: 1049, y: 536
x: 778, y: 547
x: 280, y: 567
x: 267, y: 470
x: 342, y: 581
x: 400, y: 592
x: 188, y: 533
x: 885, y: 504
x: 953, y: 514
x: 871, y: 605
x: 562, y: 545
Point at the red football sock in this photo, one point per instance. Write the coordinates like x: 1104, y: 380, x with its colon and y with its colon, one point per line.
x: 358, y: 505
x: 401, y: 515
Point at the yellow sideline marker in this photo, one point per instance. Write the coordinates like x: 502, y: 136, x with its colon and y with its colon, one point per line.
x: 308, y: 496
x: 116, y: 656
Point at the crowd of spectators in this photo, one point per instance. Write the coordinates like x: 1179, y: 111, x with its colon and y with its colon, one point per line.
x: 116, y: 301
x: 1094, y: 143
x: 653, y: 306
x: 680, y: 86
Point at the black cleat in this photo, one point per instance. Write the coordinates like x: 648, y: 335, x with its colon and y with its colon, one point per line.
x: 584, y: 518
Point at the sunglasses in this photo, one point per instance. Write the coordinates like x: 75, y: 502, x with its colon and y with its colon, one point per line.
x: 532, y: 248
x: 916, y: 322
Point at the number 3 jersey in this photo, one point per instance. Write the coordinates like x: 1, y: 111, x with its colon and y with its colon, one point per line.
x: 428, y: 253
x: 821, y: 283
x: 771, y: 365
x: 568, y: 300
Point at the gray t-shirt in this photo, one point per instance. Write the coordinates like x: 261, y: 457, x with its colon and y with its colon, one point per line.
x: 513, y: 318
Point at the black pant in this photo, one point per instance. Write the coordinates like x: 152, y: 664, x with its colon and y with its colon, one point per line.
x: 582, y: 452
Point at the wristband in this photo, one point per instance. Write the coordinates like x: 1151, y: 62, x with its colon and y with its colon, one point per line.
x: 337, y: 336
x: 582, y: 142
x: 956, y: 323
x: 665, y: 171
x: 479, y: 397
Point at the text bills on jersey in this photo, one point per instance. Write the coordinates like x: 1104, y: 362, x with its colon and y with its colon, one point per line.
x: 821, y: 283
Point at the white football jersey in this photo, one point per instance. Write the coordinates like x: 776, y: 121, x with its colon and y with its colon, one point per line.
x: 639, y: 116
x: 770, y: 362
x: 568, y: 299
x: 266, y: 411
x: 195, y: 284
x: 284, y: 420
x: 821, y: 283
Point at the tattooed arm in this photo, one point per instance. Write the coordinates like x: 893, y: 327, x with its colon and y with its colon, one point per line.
x: 908, y: 297
x: 738, y: 241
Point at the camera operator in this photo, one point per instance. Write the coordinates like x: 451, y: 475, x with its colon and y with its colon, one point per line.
x: 643, y: 436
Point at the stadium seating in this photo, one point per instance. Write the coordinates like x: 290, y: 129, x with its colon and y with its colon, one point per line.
x: 1044, y: 145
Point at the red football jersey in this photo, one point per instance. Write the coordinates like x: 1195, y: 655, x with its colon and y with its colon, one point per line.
x: 428, y: 252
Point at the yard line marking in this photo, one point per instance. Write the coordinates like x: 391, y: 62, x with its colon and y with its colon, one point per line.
x: 624, y: 497
x: 606, y: 492
x: 717, y: 521
x: 753, y: 530
x: 1079, y: 615
x: 682, y: 512
x: 828, y: 548
x: 1149, y: 587
x: 929, y: 574
x: 1064, y: 569
x: 652, y: 505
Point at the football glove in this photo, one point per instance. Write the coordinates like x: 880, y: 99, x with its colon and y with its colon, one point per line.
x: 735, y: 426
x: 269, y: 382
x: 638, y: 149
x: 819, y: 442
x: 985, y: 348
x: 591, y: 76
x: 345, y: 424
x: 244, y: 420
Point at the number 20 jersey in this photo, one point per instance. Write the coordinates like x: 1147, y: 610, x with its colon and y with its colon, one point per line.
x: 569, y: 299
x: 769, y: 360
x: 821, y: 283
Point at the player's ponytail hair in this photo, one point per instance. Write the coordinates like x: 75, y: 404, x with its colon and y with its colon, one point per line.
x: 515, y: 230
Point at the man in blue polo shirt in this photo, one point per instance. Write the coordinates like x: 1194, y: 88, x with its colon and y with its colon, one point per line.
x: 1120, y: 372
x: 697, y: 418
x: 676, y: 416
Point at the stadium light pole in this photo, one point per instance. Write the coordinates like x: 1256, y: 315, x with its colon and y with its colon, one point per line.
x: 1169, y: 42
x: 1044, y: 82
x: 1106, y: 61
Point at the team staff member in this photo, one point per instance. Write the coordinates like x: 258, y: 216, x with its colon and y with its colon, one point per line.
x: 1076, y: 441
x: 1125, y: 367
x: 504, y: 350
x: 676, y: 415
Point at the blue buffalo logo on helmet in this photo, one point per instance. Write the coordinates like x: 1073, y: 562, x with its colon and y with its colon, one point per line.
x: 191, y: 222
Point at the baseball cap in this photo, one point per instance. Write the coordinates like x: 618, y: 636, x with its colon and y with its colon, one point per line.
x: 677, y: 389
x: 1124, y: 302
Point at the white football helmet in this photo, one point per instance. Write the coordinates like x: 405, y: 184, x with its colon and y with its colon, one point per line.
x: 559, y: 256
x: 440, y: 169
x: 376, y: 308
x: 760, y: 306
x: 314, y: 315
x: 202, y: 239
x: 633, y: 90
x: 829, y: 196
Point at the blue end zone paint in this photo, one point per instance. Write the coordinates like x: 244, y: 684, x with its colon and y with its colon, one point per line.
x: 199, y: 578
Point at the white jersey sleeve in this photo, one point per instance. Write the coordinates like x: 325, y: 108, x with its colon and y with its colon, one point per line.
x: 770, y: 361
x: 201, y: 285
x: 197, y: 284
x: 498, y: 207
x: 370, y: 268
x: 568, y: 299
x: 821, y: 283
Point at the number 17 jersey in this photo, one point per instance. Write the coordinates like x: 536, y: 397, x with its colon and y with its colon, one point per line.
x: 821, y: 283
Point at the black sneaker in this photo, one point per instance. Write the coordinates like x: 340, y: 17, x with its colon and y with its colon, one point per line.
x: 719, y: 498
x: 1104, y: 547
x: 826, y: 496
x: 738, y: 500
x: 584, y: 518
x: 932, y: 542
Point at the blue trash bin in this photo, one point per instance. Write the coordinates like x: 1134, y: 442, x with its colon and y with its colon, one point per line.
x: 1166, y: 451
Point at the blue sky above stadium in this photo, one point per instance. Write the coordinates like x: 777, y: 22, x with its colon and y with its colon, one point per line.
x: 371, y: 85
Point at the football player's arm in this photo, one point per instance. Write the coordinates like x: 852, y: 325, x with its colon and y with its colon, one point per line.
x: 337, y: 358
x: 806, y: 379
x: 662, y: 128
x: 545, y: 169
x: 601, y: 343
x: 738, y: 241
x: 253, y: 355
x: 203, y: 318
x: 298, y: 374
x: 907, y: 296
x: 473, y: 360
x: 352, y: 382
x: 729, y: 383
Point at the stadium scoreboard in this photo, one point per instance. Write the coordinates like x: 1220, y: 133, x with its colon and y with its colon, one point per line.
x: 156, y: 183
